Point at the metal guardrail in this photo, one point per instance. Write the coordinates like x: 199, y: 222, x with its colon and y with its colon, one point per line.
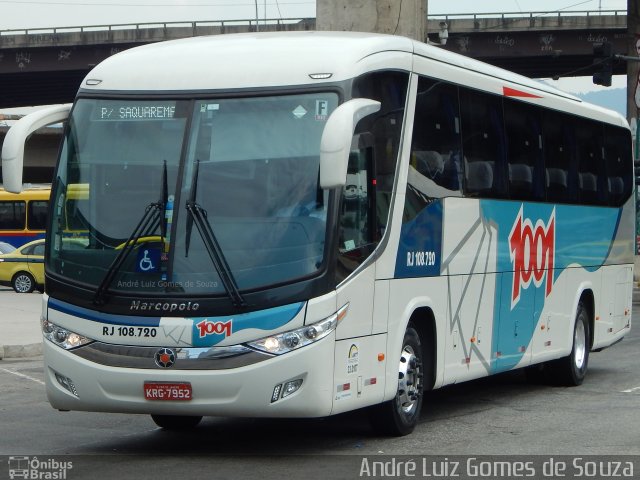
x: 252, y: 24
x: 530, y: 15
x: 255, y: 25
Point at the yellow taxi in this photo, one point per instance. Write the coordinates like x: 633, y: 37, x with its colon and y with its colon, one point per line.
x: 23, y: 269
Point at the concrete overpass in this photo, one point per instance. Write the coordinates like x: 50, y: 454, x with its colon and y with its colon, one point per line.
x: 46, y: 66
x: 538, y: 44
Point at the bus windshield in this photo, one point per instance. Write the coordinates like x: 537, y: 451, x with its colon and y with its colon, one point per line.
x: 251, y: 165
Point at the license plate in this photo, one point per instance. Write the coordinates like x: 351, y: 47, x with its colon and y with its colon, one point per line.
x: 159, y: 391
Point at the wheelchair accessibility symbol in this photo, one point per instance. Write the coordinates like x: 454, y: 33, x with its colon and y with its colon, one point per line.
x: 148, y: 260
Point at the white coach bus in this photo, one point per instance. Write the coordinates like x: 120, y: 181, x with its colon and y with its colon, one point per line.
x: 303, y: 224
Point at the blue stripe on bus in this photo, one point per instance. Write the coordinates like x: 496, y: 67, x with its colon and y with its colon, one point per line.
x: 22, y: 260
x: 268, y: 319
x: 582, y: 236
x: 18, y: 239
x: 94, y: 316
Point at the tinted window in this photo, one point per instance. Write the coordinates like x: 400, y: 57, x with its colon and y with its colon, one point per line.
x: 12, y: 215
x: 483, y: 143
x: 592, y: 183
x: 436, y: 144
x: 436, y: 149
x: 37, y: 215
x: 617, y: 154
x: 385, y: 126
x: 524, y: 150
x: 27, y: 250
x: 560, y: 154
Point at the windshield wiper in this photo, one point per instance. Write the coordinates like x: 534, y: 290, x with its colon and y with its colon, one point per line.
x: 198, y: 215
x: 153, y: 214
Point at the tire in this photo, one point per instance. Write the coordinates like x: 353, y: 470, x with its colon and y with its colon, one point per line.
x: 400, y: 415
x: 23, y: 282
x: 176, y: 422
x: 571, y: 370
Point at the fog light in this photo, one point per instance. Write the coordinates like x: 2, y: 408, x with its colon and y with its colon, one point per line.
x: 66, y: 383
x: 291, y: 387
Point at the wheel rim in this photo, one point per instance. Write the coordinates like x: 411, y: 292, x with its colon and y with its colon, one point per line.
x: 23, y: 283
x: 580, y: 345
x: 409, y: 383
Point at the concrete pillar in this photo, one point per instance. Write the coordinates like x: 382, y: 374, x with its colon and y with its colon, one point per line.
x: 633, y: 97
x: 633, y: 68
x: 396, y: 17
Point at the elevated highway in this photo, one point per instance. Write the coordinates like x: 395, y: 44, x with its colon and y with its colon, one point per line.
x: 537, y: 44
x: 46, y: 66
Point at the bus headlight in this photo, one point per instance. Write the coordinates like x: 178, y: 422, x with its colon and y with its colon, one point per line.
x: 61, y: 336
x: 293, y: 339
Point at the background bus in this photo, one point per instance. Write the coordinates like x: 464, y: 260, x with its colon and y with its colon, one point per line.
x: 23, y: 216
x: 310, y: 223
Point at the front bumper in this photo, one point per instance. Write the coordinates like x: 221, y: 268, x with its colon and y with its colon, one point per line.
x: 241, y: 391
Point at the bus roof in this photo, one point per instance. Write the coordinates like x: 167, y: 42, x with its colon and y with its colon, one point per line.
x: 277, y: 59
x: 241, y: 60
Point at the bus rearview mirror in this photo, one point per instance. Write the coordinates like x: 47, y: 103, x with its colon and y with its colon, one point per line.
x: 335, y: 144
x: 13, y: 146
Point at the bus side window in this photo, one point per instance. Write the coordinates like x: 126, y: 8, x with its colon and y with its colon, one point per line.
x: 12, y: 215
x: 524, y: 150
x: 559, y: 151
x: 592, y: 185
x: 618, y: 158
x: 37, y: 214
x: 435, y: 169
x: 483, y: 145
x: 385, y: 126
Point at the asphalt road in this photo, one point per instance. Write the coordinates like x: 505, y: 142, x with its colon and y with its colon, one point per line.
x: 503, y: 415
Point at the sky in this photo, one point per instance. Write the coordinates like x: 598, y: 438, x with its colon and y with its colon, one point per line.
x: 35, y: 14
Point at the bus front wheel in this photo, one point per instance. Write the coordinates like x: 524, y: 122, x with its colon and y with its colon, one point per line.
x: 176, y: 422
x: 400, y: 415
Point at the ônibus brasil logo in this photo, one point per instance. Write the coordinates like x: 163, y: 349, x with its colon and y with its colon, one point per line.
x: 532, y: 250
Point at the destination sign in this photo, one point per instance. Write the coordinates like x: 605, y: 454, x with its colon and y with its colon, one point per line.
x: 132, y: 111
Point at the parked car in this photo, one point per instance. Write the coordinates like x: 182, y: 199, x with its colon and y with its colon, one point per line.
x: 6, y: 247
x: 23, y: 268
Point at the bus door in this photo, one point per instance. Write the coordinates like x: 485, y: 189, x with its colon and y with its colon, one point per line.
x: 358, y: 375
